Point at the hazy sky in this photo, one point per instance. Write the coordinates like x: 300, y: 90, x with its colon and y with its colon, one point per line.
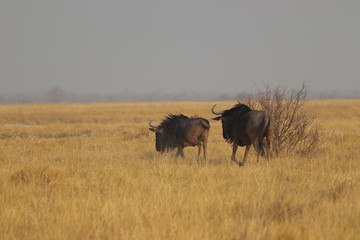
x: 110, y: 46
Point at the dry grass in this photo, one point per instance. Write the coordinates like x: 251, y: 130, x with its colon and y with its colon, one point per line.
x: 90, y: 171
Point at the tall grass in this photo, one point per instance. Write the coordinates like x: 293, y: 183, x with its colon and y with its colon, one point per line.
x: 90, y: 171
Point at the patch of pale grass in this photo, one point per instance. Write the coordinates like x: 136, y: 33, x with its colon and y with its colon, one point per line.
x: 90, y: 171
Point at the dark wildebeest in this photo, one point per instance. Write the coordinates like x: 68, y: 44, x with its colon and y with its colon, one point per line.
x: 245, y: 127
x: 179, y: 131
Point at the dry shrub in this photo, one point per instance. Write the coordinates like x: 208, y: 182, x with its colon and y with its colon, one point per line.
x: 294, y: 129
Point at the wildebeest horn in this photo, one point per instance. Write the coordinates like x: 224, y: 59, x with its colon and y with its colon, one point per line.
x: 216, y: 113
x: 153, y: 126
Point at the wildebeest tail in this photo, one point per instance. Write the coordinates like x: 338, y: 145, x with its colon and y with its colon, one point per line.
x: 205, y: 123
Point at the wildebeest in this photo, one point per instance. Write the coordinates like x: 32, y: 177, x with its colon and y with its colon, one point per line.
x: 245, y: 127
x: 180, y: 131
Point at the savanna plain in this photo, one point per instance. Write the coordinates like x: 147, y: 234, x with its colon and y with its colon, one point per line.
x: 91, y: 171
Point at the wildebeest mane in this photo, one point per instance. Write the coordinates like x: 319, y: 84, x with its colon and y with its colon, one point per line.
x: 239, y: 108
x: 170, y: 120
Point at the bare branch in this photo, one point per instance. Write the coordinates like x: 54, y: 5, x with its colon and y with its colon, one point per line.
x: 293, y: 126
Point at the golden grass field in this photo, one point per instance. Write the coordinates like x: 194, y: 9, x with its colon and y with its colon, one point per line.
x: 90, y: 171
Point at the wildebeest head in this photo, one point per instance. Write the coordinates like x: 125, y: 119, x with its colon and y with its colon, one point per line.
x: 160, y: 137
x: 229, y: 117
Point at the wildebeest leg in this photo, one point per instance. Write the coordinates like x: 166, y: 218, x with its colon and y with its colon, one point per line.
x: 199, y: 150
x: 268, y: 147
x: 180, y: 152
x: 204, y: 148
x: 257, y: 148
x: 261, y: 149
x: 203, y: 142
x: 245, y: 155
x: 269, y: 134
x: 235, y: 146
